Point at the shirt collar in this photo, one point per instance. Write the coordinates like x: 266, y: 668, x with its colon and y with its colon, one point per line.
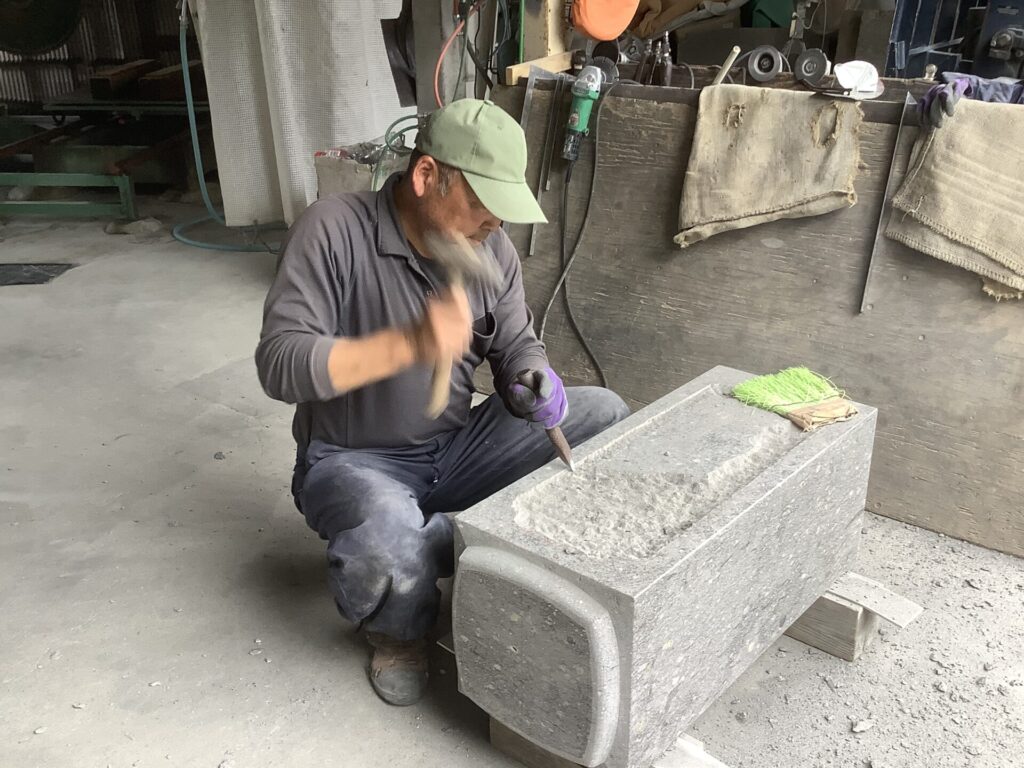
x: 391, y: 239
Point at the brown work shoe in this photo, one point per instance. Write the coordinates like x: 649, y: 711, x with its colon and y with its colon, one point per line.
x: 398, y: 669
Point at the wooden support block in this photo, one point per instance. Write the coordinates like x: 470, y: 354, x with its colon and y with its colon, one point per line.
x: 510, y: 743
x: 556, y: 62
x: 836, y: 626
x: 877, y: 598
x: 687, y: 753
x: 844, y: 620
x: 544, y: 28
x: 112, y: 82
x: 167, y: 84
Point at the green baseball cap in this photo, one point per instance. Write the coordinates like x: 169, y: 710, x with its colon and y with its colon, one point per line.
x: 488, y: 146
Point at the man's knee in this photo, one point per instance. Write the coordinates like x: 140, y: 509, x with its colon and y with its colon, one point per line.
x: 598, y: 407
x: 387, y: 568
x: 338, y: 495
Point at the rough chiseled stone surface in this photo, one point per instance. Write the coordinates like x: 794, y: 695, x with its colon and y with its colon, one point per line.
x: 599, y: 614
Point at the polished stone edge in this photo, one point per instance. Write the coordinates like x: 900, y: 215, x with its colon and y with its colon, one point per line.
x: 578, y: 606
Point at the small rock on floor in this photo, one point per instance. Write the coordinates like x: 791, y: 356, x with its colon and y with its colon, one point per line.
x: 148, y: 226
x: 862, y: 725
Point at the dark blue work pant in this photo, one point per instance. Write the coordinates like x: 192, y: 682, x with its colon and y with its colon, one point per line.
x: 381, y: 511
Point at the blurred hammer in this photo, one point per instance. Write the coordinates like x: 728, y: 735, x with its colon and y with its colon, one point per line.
x: 459, y: 260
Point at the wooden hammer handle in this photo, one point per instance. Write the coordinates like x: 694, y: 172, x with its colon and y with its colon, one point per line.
x: 441, y: 381
x: 440, y: 387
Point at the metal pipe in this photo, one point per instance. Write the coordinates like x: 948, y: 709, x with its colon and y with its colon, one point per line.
x: 727, y: 65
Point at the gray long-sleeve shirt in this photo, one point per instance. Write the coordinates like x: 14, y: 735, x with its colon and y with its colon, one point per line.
x: 347, y: 270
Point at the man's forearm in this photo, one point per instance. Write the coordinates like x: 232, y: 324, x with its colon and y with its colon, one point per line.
x: 354, y: 363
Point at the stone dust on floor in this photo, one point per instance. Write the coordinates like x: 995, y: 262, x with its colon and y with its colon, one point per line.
x: 164, y: 603
x: 948, y: 690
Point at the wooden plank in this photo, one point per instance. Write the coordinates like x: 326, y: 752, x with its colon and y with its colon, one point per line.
x: 112, y: 82
x: 544, y: 28
x: 876, y: 598
x: 940, y: 360
x: 167, y: 84
x: 556, y: 62
x: 525, y: 751
x: 688, y: 753
x: 30, y: 143
x: 878, y: 111
x: 836, y: 626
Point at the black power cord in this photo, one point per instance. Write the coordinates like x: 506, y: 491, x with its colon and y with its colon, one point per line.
x: 567, y: 264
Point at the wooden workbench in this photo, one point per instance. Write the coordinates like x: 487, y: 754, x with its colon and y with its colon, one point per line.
x: 943, y: 363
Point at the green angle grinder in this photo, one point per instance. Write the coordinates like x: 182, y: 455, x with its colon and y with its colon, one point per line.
x: 585, y: 93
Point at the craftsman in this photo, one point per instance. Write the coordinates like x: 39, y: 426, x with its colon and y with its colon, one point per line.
x: 353, y: 325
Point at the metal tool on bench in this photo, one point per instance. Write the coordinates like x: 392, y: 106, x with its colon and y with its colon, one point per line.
x: 547, y: 150
x: 663, y: 69
x: 764, y: 63
x: 585, y: 93
x: 909, y: 104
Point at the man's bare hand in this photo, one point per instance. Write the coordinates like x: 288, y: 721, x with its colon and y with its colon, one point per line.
x: 442, y: 334
x: 446, y: 328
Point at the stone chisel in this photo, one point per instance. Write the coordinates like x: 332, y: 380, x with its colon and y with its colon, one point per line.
x: 555, y: 435
x: 561, y: 446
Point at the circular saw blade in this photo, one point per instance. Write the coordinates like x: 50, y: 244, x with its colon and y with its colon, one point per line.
x: 29, y: 27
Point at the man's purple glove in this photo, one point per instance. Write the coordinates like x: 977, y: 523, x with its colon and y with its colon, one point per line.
x: 940, y: 101
x: 538, y: 396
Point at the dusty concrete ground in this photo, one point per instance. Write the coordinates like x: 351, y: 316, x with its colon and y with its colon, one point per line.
x: 164, y: 604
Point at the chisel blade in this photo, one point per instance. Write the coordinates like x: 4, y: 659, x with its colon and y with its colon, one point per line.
x: 561, y: 447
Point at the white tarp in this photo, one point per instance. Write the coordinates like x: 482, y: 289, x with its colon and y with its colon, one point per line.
x: 286, y: 78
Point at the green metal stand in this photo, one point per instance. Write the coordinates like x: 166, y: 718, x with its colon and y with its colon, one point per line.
x: 125, y: 208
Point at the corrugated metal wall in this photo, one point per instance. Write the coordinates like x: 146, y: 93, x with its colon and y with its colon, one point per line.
x: 110, y: 32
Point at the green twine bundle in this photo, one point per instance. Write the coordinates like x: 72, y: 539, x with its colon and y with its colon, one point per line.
x: 786, y: 390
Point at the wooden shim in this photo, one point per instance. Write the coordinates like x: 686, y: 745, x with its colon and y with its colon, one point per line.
x: 688, y: 753
x: 556, y: 62
x: 111, y: 82
x: 876, y: 598
x: 835, y: 626
x: 510, y: 743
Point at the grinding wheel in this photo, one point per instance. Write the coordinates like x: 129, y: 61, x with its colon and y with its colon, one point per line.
x: 764, y: 63
x: 28, y: 27
x: 811, y: 67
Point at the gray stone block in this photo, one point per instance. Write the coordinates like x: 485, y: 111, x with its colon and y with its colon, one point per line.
x: 597, y: 614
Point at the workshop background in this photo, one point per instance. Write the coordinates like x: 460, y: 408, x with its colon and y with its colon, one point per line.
x: 163, y: 603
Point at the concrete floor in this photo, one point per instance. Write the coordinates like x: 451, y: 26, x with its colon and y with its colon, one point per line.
x: 164, y: 604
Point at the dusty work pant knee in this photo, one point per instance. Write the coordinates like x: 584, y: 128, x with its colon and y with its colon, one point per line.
x: 384, y: 554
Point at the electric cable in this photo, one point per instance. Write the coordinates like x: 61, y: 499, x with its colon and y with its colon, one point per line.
x: 568, y: 264
x: 693, y: 80
x: 447, y: 45
x: 178, y: 232
x: 462, y: 64
x: 481, y: 67
x: 390, y: 137
x: 570, y: 316
x: 440, y: 60
x: 506, y: 36
x: 743, y: 57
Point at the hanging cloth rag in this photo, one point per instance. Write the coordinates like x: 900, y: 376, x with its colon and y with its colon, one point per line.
x: 762, y: 154
x: 962, y: 200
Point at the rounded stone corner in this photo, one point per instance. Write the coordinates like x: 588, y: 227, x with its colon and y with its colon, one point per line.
x: 537, y: 653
